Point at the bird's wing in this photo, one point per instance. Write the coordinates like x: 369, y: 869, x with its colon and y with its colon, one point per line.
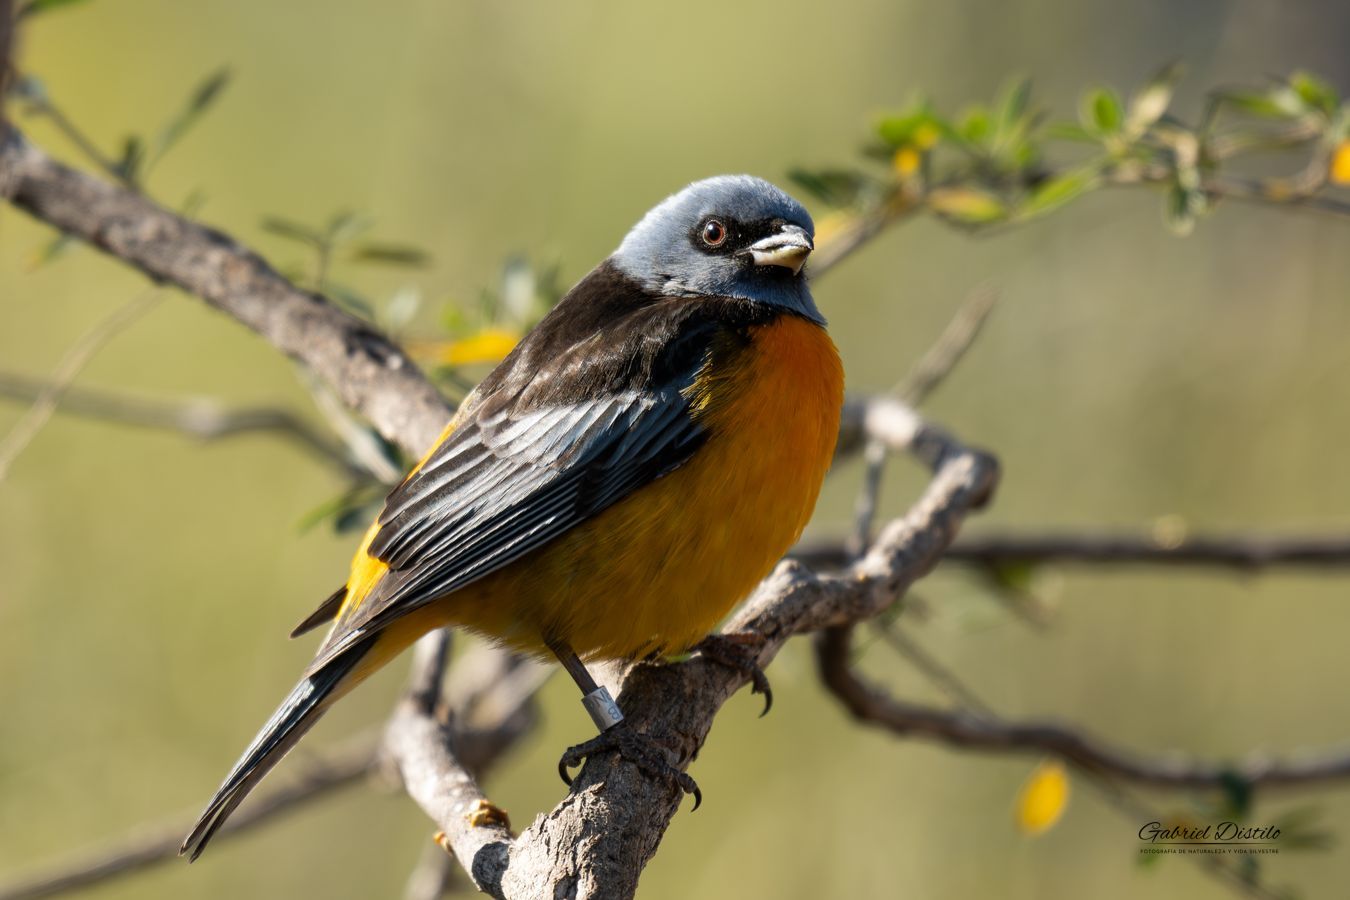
x: 507, y: 481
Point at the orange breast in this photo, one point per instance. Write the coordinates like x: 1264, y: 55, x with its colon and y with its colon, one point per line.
x: 659, y: 569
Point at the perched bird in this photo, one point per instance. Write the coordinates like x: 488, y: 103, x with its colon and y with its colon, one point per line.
x: 628, y: 473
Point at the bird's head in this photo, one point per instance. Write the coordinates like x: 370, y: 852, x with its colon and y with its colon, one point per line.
x: 729, y: 236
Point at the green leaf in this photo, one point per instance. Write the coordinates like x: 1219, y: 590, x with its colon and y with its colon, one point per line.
x: 346, y: 225
x: 1182, y: 208
x: 1101, y: 112
x: 1054, y: 192
x: 53, y: 250
x: 391, y: 255
x: 29, y: 89
x: 975, y: 125
x: 967, y: 206
x: 1013, y: 576
x: 351, y: 510
x: 201, y: 100
x: 1150, y: 102
x: 131, y: 157
x: 293, y: 231
x: 1071, y: 131
x: 38, y: 7
x: 1280, y: 102
x: 836, y: 187
x: 350, y: 300
x: 1012, y: 105
x: 1315, y: 92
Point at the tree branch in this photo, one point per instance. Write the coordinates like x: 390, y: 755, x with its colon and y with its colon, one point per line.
x: 159, y: 843
x: 365, y: 369
x: 1243, y: 552
x: 203, y: 419
x: 956, y: 728
x: 595, y: 843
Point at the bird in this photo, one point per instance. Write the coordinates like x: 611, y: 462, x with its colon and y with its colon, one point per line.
x: 637, y: 463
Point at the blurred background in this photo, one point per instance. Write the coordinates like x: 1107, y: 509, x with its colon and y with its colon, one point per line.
x: 1128, y: 376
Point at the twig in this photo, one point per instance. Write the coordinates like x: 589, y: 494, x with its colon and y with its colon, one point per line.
x: 1242, y: 552
x: 75, y: 359
x: 957, y: 338
x: 159, y: 843
x: 930, y: 371
x: 41, y: 104
x: 433, y: 875
x: 364, y: 368
x: 870, y: 704
x: 203, y: 419
x: 507, y: 714
x: 1101, y: 764
x: 861, y: 230
x: 943, y: 678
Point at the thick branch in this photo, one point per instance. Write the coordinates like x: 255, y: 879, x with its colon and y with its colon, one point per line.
x: 874, y: 706
x: 367, y: 371
x: 596, y: 842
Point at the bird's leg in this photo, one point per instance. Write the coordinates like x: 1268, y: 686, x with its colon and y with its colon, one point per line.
x: 737, y: 650
x: 604, y: 711
x: 615, y: 734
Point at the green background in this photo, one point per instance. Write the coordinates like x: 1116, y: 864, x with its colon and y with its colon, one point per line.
x: 148, y: 582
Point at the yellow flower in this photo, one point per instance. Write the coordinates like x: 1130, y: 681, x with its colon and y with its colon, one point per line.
x: 1340, y: 163
x: 1043, y: 798
x: 487, y: 346
x: 906, y: 161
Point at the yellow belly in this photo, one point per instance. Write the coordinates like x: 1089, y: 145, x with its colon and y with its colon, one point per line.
x: 658, y: 570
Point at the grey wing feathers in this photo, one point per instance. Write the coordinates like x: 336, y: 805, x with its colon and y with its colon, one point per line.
x: 500, y: 487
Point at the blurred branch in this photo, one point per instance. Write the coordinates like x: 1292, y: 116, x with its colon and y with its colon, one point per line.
x: 1246, y: 552
x: 929, y: 372
x: 949, y: 349
x: 363, y: 367
x: 6, y: 48
x: 39, y: 103
x: 74, y: 360
x: 159, y: 843
x: 872, y: 705
x: 506, y: 715
x: 975, y: 726
x: 203, y: 419
x: 988, y: 169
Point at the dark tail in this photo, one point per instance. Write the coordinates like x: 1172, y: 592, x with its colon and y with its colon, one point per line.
x: 297, y: 714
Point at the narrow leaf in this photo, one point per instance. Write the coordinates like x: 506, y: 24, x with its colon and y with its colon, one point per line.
x: 200, y: 100
x: 1150, y: 102
x: 391, y: 255
x: 968, y: 206
x: 1053, y: 193
x: 293, y: 231
x: 38, y: 7
x: 1315, y: 92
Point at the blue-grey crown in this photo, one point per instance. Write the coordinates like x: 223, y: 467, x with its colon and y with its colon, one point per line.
x: 660, y: 253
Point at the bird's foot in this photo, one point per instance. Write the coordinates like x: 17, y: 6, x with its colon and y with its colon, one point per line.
x: 639, y: 749
x: 738, y: 650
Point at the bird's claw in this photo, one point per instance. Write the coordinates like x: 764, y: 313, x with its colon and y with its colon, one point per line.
x: 737, y: 650
x: 638, y: 749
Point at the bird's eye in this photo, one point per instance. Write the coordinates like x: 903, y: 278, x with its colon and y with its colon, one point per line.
x: 714, y: 233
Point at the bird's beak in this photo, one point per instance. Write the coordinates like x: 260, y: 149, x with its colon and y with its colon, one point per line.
x: 788, y: 248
